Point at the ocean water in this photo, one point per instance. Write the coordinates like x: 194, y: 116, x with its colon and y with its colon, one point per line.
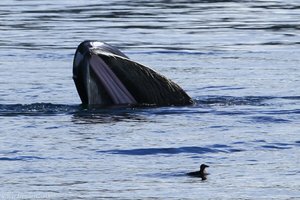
x: 239, y: 61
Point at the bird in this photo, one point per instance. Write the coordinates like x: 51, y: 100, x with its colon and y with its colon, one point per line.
x: 201, y: 173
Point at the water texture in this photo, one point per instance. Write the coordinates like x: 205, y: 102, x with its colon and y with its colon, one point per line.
x: 239, y: 61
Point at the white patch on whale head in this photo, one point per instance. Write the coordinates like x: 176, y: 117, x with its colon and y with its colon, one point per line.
x: 96, y: 44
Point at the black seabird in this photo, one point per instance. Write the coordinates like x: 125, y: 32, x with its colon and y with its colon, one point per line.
x: 201, y: 173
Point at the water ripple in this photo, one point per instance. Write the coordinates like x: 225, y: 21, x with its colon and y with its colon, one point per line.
x: 268, y: 119
x: 233, y: 101
x: 36, y: 109
x: 21, y: 158
x: 190, y: 150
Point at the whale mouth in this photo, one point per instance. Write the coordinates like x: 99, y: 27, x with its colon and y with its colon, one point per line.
x: 115, y: 89
x: 103, y: 75
x: 96, y: 82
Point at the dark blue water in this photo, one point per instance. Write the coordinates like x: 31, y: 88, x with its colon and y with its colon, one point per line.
x: 239, y: 61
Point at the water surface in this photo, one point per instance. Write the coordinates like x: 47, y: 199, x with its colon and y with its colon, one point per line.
x: 239, y: 61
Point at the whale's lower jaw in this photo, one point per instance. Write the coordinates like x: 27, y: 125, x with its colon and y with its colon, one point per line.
x: 96, y: 93
x: 100, y: 86
x: 113, y: 90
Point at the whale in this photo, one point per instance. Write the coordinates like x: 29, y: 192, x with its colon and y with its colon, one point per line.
x: 104, y: 76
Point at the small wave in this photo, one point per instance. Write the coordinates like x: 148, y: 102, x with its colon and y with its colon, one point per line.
x: 36, y: 109
x: 274, y: 147
x: 282, y: 112
x: 275, y: 27
x: 8, y: 152
x: 268, y: 119
x: 21, y: 158
x: 264, y: 145
x: 232, y: 101
x: 291, y: 97
x: 173, y: 51
x: 277, y: 43
x: 217, y: 148
x: 60, y: 184
x: 281, y: 5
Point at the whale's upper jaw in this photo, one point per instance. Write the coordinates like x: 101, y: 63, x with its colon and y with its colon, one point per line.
x: 85, y: 82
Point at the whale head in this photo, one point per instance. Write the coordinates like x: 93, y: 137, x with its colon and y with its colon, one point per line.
x: 96, y: 83
x: 103, y: 75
